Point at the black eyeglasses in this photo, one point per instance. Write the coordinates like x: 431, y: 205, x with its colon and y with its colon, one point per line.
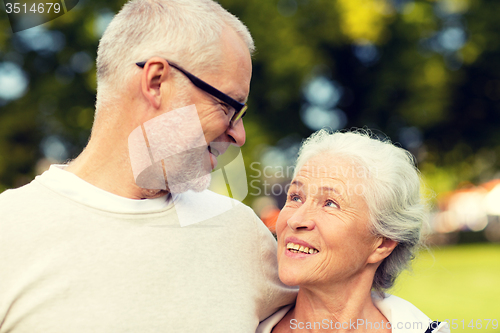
x: 240, y: 108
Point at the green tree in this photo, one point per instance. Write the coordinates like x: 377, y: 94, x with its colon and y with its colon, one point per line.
x: 422, y: 72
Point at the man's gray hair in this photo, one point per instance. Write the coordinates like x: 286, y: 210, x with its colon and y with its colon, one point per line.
x: 187, y: 32
x: 391, y: 191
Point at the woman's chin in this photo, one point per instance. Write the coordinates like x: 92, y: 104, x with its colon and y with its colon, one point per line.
x: 290, y: 277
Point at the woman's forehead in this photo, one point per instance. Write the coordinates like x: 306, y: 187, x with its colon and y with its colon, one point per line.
x: 329, y: 166
x: 331, y: 175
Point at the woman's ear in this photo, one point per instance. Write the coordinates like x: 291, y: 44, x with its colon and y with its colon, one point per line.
x: 155, y: 73
x: 384, y: 247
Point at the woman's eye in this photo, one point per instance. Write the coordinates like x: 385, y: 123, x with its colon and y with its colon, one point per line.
x: 330, y: 203
x: 296, y: 198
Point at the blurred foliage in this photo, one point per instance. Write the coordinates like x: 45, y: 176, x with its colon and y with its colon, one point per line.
x: 425, y: 73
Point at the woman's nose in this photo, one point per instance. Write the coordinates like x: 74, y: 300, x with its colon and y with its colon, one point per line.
x: 303, y: 219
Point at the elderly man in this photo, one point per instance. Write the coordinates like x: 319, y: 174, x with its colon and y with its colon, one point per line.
x: 98, y: 245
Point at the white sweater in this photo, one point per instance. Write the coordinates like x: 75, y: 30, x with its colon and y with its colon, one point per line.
x: 69, y: 265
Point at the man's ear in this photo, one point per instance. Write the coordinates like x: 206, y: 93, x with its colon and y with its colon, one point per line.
x: 384, y: 247
x: 155, y: 72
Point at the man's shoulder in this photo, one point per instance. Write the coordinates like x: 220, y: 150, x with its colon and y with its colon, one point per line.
x: 22, y: 194
x: 28, y: 201
x: 207, y: 204
x: 19, y: 210
x: 211, y: 197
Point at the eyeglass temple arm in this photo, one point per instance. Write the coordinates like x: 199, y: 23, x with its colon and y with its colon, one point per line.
x: 204, y: 86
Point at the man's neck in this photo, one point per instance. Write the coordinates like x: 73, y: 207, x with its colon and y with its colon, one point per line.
x: 106, y: 165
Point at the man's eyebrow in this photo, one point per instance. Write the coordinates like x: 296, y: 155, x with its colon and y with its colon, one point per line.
x: 240, y: 98
x: 237, y: 96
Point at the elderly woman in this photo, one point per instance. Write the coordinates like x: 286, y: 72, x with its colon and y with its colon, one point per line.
x: 351, y: 223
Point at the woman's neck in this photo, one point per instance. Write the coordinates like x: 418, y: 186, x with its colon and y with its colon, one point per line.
x: 342, y: 310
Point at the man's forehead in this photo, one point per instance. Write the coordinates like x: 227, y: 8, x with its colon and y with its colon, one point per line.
x: 236, y: 65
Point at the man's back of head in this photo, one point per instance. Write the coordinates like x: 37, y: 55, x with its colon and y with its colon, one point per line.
x: 183, y: 31
x: 198, y: 35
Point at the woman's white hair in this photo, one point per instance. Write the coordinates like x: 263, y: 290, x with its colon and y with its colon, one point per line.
x: 391, y: 191
x: 187, y: 32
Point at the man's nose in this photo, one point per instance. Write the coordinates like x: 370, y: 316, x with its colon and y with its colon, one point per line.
x: 237, y: 133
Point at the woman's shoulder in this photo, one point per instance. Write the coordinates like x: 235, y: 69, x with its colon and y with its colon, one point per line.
x: 406, y: 317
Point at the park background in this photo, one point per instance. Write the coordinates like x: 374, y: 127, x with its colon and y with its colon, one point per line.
x: 426, y: 74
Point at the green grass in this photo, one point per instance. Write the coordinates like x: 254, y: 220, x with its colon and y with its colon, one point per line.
x: 457, y: 282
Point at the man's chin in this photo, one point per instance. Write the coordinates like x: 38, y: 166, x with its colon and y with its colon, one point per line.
x: 197, y: 185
